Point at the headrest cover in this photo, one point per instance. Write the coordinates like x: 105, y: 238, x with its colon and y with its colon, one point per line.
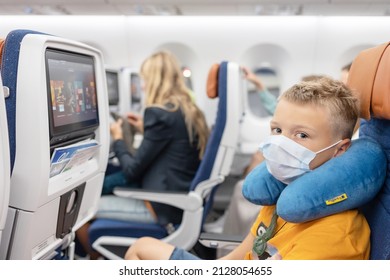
x: 212, y: 81
x: 1, y: 49
x: 368, y: 78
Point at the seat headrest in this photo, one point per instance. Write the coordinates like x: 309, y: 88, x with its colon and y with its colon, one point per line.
x: 1, y: 49
x: 212, y: 81
x: 369, y: 79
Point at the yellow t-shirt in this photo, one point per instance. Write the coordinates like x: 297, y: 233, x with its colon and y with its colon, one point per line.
x: 344, y: 235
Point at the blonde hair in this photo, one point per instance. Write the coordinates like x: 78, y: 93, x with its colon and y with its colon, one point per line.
x: 342, y: 105
x: 165, y: 84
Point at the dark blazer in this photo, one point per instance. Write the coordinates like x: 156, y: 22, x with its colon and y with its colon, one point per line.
x: 165, y: 160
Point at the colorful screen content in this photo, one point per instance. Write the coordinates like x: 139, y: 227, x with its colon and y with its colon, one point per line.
x: 112, y: 87
x: 72, y: 92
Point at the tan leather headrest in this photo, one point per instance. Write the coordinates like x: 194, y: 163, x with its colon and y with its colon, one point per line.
x: 212, y: 81
x: 1, y: 49
x: 369, y: 77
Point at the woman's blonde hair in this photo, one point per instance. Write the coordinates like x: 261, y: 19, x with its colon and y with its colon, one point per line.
x: 164, y: 83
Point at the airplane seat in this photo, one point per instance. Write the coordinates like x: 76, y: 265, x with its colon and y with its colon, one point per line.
x: 369, y: 78
x: 5, y: 170
x: 112, y: 238
x: 9, y: 68
x: 51, y: 199
x: 249, y: 141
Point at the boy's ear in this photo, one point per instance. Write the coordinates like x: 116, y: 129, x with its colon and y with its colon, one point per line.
x: 342, y: 147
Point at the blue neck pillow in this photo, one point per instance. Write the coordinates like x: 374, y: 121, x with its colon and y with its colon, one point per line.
x: 342, y: 183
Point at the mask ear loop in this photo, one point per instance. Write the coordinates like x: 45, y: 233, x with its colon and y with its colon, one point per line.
x: 326, y: 148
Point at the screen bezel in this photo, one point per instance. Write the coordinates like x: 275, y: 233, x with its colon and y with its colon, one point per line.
x: 77, y: 129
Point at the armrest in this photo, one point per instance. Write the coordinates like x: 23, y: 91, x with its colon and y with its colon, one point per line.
x: 220, y: 240
x: 185, y: 236
x: 205, y: 187
x: 190, y: 201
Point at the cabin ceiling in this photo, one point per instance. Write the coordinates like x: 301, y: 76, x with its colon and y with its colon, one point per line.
x: 197, y: 7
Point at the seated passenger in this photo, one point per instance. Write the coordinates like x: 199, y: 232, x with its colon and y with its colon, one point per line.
x: 175, y: 134
x: 314, y: 121
x: 267, y: 99
x: 241, y: 212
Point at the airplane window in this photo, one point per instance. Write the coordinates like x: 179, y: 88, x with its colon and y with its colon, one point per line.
x: 271, y: 82
x: 187, y: 74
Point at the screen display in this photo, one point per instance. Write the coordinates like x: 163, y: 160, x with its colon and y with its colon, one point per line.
x: 135, y: 93
x: 72, y: 93
x: 112, y: 87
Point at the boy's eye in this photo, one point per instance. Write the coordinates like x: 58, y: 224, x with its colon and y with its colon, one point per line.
x: 276, y: 130
x: 302, y: 135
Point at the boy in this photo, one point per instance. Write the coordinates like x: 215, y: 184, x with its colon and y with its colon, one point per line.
x: 313, y: 122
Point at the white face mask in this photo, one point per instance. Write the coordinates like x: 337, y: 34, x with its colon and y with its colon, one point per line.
x: 286, y: 160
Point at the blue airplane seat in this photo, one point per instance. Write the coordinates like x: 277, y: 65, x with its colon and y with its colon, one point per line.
x: 5, y: 161
x: 112, y: 238
x: 9, y: 53
x: 9, y: 68
x: 369, y: 78
x: 37, y: 197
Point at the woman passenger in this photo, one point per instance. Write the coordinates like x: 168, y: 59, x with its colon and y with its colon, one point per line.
x: 175, y: 134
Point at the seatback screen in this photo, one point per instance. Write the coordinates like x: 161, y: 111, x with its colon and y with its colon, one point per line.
x: 72, y: 96
x: 135, y: 93
x: 112, y: 87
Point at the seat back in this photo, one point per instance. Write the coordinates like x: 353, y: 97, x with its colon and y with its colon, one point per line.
x: 47, y: 203
x: 9, y: 69
x: 370, y: 79
x: 225, y: 83
x: 130, y: 92
x: 4, y: 162
x: 249, y: 141
x: 112, y: 238
x: 112, y: 77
